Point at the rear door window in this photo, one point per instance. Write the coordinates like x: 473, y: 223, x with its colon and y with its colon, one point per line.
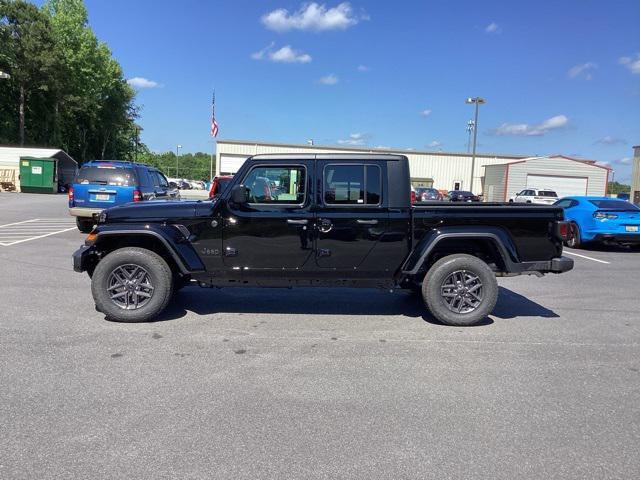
x: 352, y: 185
x: 106, y: 175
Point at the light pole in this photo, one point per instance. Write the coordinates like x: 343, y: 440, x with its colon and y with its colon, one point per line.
x: 469, y: 130
x: 178, y: 147
x: 4, y: 75
x: 478, y: 101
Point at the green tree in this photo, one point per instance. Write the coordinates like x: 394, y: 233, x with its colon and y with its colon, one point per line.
x: 28, y: 54
x: 616, y: 187
x: 66, y: 89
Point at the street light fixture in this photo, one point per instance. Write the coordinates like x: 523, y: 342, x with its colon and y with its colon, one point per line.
x: 4, y: 75
x: 178, y: 147
x: 478, y: 101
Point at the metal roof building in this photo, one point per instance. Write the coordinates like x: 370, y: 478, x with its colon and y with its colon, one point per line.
x: 442, y: 170
x: 10, y: 161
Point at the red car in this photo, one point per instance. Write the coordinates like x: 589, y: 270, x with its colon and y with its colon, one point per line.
x: 219, y: 184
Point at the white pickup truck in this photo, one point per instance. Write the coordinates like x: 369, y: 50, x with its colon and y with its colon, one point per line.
x: 532, y: 195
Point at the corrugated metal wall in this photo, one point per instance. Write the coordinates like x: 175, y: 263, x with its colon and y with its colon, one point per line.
x: 445, y: 169
x: 494, y: 182
x: 553, y: 166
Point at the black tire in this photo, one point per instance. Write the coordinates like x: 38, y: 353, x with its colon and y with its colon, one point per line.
x: 434, y: 289
x: 574, y: 240
x: 84, y: 225
x: 158, y: 275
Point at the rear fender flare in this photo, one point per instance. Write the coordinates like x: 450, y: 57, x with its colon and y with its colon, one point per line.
x: 497, y: 236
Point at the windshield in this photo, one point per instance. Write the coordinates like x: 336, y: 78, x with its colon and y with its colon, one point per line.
x: 106, y: 175
x: 547, y: 193
x: 619, y: 205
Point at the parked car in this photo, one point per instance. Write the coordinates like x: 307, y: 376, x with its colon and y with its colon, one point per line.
x: 103, y: 184
x: 335, y: 222
x: 624, y: 196
x: 533, y: 195
x: 425, y: 194
x: 462, y: 196
x: 219, y: 184
x: 601, y: 219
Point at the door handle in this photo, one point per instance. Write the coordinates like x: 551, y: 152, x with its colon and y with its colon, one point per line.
x: 367, y: 222
x: 301, y: 221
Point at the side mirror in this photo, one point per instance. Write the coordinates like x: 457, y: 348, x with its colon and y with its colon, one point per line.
x: 239, y: 194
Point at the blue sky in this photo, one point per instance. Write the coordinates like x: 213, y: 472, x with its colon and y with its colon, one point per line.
x: 558, y: 76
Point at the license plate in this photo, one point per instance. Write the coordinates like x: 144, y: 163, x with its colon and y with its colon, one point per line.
x: 631, y: 228
x: 102, y: 196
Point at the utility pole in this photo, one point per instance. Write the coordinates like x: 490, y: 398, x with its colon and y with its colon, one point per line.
x: 477, y: 101
x: 178, y: 147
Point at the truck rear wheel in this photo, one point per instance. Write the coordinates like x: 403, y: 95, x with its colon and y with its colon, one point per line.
x: 460, y: 290
x: 132, y: 285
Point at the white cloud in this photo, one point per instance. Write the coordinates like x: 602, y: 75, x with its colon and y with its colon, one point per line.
x: 624, y: 161
x: 633, y: 64
x: 435, y: 144
x: 313, y: 16
x: 260, y: 54
x: 584, y: 68
x: 382, y: 147
x: 330, y: 79
x: 425, y: 113
x: 141, y: 82
x: 493, y: 27
x: 285, y: 54
x: 524, y: 129
x: 355, y: 139
x: 363, y: 68
x: 609, y: 140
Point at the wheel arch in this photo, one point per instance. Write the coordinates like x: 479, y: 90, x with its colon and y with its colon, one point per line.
x: 493, y: 245
x: 110, y: 240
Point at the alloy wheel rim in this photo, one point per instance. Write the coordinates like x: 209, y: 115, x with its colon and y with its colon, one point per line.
x: 462, y: 291
x: 129, y: 287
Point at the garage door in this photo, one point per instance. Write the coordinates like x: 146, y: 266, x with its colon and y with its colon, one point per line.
x: 230, y: 164
x: 564, y: 186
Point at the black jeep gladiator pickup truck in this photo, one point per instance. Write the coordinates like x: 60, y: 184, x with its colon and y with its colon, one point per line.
x: 319, y: 220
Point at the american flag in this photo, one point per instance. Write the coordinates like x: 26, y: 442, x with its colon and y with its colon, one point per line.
x: 214, y: 124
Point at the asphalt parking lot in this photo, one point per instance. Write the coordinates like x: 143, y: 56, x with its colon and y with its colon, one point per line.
x: 279, y: 384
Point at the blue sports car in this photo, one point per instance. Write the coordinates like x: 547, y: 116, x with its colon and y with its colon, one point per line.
x: 601, y: 219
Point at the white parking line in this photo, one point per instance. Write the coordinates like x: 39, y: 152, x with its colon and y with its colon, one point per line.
x: 33, y: 229
x: 588, y: 258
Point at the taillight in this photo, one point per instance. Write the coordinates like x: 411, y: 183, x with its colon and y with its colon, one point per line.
x: 604, y: 216
x: 562, y: 230
x: 137, y: 196
x: 71, y: 196
x: 413, y: 197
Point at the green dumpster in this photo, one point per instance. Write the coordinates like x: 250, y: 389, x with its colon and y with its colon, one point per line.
x: 38, y: 175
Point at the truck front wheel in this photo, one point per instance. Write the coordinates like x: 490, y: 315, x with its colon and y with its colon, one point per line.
x: 132, y: 285
x: 460, y: 290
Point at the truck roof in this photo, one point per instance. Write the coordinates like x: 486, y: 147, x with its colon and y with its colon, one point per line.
x: 329, y: 156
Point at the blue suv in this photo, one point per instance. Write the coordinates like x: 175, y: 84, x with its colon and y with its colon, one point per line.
x: 103, y: 184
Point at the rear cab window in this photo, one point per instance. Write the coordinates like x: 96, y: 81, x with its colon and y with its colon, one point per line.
x: 106, y: 175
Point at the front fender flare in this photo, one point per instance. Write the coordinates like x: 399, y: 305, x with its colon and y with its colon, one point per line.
x: 175, y: 243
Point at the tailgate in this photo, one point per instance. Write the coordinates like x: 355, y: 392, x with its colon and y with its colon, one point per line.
x: 101, y: 196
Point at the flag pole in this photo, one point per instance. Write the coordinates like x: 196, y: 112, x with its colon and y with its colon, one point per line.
x: 213, y: 148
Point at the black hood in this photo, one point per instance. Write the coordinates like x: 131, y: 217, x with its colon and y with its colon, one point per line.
x: 158, y: 211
